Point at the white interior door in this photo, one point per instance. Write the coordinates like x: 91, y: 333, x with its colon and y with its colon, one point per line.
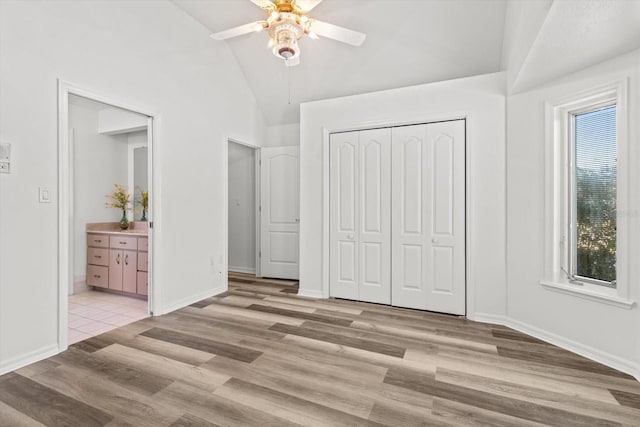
x: 360, y: 223
x: 428, y: 209
x: 279, y: 212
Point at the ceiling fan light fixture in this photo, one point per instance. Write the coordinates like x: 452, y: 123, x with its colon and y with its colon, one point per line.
x: 285, y: 30
x: 286, y: 24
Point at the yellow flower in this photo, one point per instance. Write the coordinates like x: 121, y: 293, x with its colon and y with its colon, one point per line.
x: 119, y: 199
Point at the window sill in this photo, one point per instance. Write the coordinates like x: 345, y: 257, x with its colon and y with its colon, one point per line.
x: 592, y: 295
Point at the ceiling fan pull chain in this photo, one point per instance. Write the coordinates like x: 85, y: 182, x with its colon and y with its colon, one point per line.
x: 289, y: 82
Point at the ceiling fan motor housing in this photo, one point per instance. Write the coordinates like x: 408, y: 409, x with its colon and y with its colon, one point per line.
x: 285, y: 29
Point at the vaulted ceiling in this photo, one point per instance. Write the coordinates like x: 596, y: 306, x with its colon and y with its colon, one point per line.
x: 408, y: 42
x: 413, y: 42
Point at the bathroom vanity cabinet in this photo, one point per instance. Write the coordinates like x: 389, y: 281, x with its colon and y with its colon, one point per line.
x: 118, y: 261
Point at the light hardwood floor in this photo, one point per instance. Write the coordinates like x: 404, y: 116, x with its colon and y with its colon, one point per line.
x: 260, y: 355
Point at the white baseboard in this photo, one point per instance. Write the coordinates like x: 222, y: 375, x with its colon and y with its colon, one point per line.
x: 242, y: 269
x: 615, y: 362
x: 192, y: 299
x: 310, y: 293
x: 488, y: 318
x: 80, y: 284
x: 29, y: 358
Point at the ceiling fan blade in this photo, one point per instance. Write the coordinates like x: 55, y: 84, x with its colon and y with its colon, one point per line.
x: 264, y: 4
x: 292, y: 62
x: 237, y: 31
x: 340, y: 34
x: 307, y: 5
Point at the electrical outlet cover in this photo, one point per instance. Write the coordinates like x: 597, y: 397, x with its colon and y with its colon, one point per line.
x: 5, y: 151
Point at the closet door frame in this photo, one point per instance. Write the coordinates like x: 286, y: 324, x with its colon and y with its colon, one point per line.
x: 469, y: 191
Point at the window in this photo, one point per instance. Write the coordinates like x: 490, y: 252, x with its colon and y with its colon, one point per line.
x: 587, y: 195
x: 593, y: 184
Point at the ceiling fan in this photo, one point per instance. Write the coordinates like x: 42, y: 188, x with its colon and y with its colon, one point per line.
x: 287, y: 22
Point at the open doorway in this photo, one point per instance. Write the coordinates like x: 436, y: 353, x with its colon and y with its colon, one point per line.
x: 263, y: 217
x: 243, y: 205
x: 105, y: 211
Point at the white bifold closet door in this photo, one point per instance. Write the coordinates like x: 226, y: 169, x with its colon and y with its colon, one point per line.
x: 428, y: 211
x: 360, y: 224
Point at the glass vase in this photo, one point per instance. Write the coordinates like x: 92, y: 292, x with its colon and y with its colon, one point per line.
x: 124, y: 222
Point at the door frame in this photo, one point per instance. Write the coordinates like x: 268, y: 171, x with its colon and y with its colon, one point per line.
x: 469, y: 191
x: 66, y: 198
x: 256, y: 149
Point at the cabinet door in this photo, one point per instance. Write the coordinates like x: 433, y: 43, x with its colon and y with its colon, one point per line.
x: 115, y: 269
x: 129, y: 271
x: 143, y: 261
x: 143, y: 283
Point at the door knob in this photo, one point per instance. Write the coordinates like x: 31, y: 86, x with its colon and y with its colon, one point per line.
x: 350, y: 237
x: 434, y: 240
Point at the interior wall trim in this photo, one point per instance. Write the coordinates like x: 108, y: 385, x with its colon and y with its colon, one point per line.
x: 310, y: 294
x: 193, y: 299
x: 237, y: 269
x: 624, y: 365
x: 29, y: 358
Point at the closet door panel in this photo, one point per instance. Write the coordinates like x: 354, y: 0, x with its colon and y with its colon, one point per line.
x: 374, y: 235
x: 343, y: 217
x: 409, y: 210
x: 446, y: 271
x: 428, y: 211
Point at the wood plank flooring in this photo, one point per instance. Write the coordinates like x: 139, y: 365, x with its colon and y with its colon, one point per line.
x: 260, y: 355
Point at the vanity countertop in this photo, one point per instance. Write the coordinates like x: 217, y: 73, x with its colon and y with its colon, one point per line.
x: 137, y: 228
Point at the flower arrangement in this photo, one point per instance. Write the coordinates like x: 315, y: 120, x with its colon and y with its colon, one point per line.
x: 120, y: 199
x: 144, y: 202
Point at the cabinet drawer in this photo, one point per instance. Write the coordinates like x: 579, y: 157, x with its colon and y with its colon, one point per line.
x: 143, y: 244
x: 98, y: 256
x: 124, y: 242
x: 98, y: 276
x: 98, y: 240
x: 143, y: 261
x: 143, y: 283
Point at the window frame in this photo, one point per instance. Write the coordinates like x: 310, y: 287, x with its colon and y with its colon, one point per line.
x: 571, y: 260
x: 558, y: 167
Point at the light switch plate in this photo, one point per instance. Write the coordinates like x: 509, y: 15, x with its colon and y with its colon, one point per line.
x: 5, y: 157
x: 44, y: 195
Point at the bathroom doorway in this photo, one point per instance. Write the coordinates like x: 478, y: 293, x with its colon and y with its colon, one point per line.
x: 105, y: 194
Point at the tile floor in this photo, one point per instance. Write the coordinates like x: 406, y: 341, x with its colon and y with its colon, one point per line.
x: 92, y: 313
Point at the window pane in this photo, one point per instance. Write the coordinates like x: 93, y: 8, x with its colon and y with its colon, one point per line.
x: 595, y: 185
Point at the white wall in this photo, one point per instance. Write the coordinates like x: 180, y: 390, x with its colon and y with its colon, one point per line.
x: 139, y: 53
x: 242, y: 208
x: 605, y: 332
x: 100, y: 161
x: 115, y: 120
x: 482, y: 100
x: 282, y: 135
